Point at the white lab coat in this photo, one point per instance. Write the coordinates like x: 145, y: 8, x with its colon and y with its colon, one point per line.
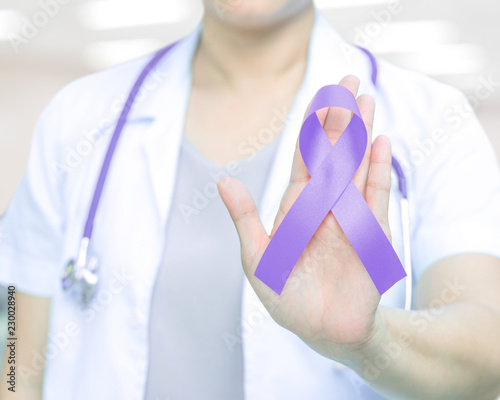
x: 102, y: 352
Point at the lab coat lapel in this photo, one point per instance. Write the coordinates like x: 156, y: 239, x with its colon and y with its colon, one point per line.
x: 165, y: 111
x: 161, y: 155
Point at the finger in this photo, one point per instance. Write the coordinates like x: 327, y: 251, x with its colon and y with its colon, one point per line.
x: 292, y: 192
x: 366, y: 106
x: 299, y: 170
x: 298, y: 178
x: 243, y: 212
x: 307, y: 110
x: 378, y: 185
x: 336, y: 119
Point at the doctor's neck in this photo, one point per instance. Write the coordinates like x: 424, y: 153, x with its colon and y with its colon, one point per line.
x: 239, y: 55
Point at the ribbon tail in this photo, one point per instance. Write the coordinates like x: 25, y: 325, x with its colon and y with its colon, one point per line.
x: 295, y: 232
x: 368, y: 239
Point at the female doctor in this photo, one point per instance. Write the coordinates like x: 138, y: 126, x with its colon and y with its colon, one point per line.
x: 173, y: 316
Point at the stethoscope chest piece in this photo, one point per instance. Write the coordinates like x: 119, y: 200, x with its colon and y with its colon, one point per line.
x: 81, y: 277
x: 68, y: 278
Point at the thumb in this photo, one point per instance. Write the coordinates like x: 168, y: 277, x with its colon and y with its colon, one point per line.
x: 243, y: 211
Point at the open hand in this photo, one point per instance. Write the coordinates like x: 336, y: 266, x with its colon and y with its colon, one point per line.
x: 329, y: 300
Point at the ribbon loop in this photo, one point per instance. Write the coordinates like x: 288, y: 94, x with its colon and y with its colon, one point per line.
x: 331, y: 189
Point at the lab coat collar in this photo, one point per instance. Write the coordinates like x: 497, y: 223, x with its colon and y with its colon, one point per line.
x: 170, y: 79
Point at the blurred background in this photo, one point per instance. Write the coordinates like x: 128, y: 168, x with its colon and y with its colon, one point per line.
x: 47, y: 43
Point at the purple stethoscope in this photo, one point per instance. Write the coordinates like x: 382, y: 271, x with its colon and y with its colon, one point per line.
x: 81, y: 275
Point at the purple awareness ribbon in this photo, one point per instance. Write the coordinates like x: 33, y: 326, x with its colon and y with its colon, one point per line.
x: 331, y: 189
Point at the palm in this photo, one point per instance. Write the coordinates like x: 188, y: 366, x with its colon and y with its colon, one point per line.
x: 329, y: 297
x: 329, y: 291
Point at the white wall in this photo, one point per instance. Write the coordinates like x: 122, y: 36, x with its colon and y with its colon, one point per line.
x: 24, y: 92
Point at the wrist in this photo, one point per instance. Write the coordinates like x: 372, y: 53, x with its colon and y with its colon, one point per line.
x: 385, y: 351
x: 358, y: 354
x: 354, y: 354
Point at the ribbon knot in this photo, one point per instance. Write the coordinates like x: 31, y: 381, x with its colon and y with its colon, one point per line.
x: 331, y: 188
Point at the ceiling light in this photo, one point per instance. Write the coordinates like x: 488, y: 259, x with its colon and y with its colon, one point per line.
x: 105, y: 54
x: 10, y: 22
x: 415, y: 36
x: 451, y: 59
x: 330, y: 4
x: 115, y: 14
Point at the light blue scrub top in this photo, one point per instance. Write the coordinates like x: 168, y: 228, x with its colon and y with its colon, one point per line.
x: 196, y: 304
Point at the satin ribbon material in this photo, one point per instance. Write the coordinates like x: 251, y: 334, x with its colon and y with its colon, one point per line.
x: 331, y: 189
